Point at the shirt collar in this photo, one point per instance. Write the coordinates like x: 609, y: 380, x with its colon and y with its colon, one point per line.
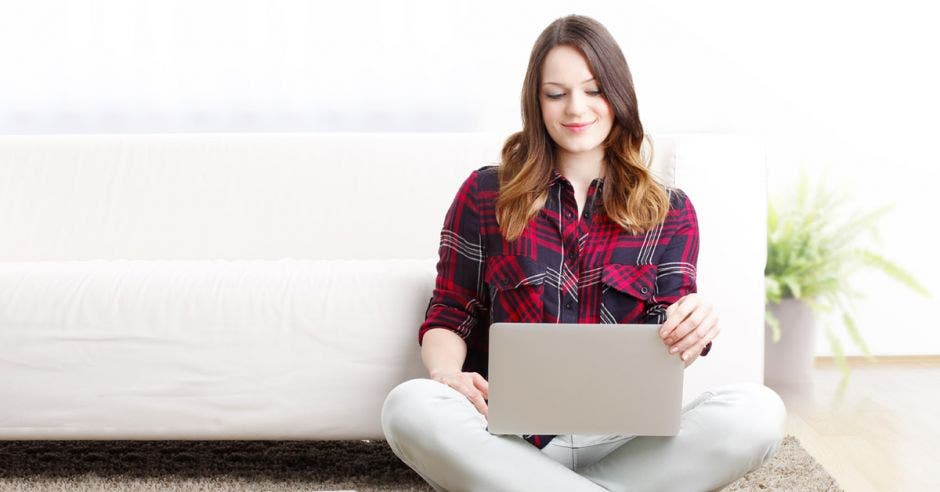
x: 557, y: 176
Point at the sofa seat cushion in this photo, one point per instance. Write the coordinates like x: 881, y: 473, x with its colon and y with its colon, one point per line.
x: 246, y: 349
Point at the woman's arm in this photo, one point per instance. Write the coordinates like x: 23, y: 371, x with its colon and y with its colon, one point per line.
x: 454, y: 309
x: 443, y: 351
x: 689, y: 323
x: 458, y: 290
x: 676, y: 266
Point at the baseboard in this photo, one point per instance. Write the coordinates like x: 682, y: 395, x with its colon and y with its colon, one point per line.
x: 828, y: 360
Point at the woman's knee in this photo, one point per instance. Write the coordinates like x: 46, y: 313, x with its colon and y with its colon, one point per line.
x: 405, y: 407
x: 760, y: 420
x: 769, y: 404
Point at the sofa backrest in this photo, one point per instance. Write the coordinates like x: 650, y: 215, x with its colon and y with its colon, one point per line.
x: 247, y: 196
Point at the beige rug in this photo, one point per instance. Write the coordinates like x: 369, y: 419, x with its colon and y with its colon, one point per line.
x: 281, y: 466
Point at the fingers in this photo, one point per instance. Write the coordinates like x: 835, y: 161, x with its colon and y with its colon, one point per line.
x: 475, y: 397
x: 707, y: 331
x: 712, y: 334
x: 479, y: 392
x: 672, y: 319
x: 677, y: 312
x: 693, y: 332
x: 472, y: 385
x: 697, y: 312
x: 686, y: 328
x: 481, y: 384
x: 695, y: 335
x: 695, y: 352
x: 477, y: 400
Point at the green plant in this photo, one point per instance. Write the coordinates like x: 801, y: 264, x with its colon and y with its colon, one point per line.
x: 812, y: 253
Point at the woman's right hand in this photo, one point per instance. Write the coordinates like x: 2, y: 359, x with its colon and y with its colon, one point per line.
x: 470, y: 384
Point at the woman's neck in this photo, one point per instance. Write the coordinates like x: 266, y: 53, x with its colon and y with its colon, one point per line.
x: 581, y: 168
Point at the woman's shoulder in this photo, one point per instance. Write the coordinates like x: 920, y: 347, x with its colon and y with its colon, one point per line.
x: 479, y: 185
x: 678, y: 198
x: 488, y: 177
x: 483, y: 179
x: 681, y: 211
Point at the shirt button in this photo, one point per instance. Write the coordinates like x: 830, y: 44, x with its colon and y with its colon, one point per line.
x: 568, y: 305
x: 644, y: 290
x: 569, y: 215
x: 571, y: 254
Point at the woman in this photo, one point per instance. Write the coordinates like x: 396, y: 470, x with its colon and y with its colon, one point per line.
x: 571, y: 228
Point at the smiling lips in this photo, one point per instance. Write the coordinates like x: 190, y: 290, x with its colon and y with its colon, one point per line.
x: 577, y: 127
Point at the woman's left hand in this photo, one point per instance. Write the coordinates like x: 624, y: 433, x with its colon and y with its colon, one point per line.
x: 691, y: 322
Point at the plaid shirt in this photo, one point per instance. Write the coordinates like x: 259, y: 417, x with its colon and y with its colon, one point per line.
x: 561, y: 270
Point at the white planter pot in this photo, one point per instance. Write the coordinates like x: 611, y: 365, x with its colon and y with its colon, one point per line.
x: 788, y: 362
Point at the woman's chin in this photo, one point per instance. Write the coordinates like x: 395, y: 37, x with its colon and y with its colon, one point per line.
x: 580, y: 147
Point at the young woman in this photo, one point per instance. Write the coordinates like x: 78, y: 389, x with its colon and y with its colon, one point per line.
x: 571, y: 228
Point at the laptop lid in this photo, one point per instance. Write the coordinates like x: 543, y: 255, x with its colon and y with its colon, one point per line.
x: 547, y: 378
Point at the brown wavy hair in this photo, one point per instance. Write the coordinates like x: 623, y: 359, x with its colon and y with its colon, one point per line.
x: 631, y: 197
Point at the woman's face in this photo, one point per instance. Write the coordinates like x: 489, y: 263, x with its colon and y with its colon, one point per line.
x: 575, y: 112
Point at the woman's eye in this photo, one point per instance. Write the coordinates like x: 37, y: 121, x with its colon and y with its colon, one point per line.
x: 594, y: 93
x: 554, y: 96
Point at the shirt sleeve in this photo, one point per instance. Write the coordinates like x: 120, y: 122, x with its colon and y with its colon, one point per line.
x: 458, y: 290
x: 675, y: 275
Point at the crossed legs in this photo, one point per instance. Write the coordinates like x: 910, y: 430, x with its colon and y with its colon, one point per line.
x: 725, y: 432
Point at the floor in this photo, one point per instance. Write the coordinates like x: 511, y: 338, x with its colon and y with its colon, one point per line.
x: 879, y: 430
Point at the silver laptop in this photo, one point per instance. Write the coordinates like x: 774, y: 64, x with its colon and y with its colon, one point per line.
x: 574, y: 378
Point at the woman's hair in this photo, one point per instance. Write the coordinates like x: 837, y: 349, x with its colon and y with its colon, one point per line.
x: 631, y: 197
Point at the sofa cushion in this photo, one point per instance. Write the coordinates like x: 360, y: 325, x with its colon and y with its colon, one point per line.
x: 126, y: 349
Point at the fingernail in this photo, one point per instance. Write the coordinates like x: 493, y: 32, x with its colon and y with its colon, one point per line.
x: 685, y: 357
x: 673, y: 350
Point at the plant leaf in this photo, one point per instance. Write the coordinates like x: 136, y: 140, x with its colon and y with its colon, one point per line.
x: 837, y: 351
x: 793, y: 285
x: 892, y: 270
x: 849, y: 232
x: 773, y: 290
x: 852, y: 328
x: 774, y: 324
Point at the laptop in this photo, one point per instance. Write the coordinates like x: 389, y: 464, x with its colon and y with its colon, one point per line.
x: 573, y: 378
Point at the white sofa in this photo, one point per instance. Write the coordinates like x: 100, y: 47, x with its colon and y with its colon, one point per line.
x: 270, y: 286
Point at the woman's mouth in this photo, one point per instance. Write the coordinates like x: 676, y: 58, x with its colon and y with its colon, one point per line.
x: 577, y: 127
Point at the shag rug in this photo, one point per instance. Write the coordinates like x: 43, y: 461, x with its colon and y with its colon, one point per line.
x: 282, y: 465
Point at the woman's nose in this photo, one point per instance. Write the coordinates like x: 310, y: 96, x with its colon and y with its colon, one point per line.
x: 576, y: 104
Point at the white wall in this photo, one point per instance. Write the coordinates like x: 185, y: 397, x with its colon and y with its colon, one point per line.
x: 842, y: 86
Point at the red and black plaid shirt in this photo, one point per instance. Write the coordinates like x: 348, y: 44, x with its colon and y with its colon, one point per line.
x: 561, y: 270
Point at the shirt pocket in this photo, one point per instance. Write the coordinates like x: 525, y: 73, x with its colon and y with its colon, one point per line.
x: 626, y: 290
x: 516, y: 285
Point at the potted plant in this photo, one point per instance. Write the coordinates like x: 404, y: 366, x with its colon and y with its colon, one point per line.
x: 813, y: 249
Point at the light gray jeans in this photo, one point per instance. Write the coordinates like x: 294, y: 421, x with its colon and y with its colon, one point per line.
x: 724, y: 433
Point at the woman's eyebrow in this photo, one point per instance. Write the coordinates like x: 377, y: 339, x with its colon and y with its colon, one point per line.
x: 560, y: 85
